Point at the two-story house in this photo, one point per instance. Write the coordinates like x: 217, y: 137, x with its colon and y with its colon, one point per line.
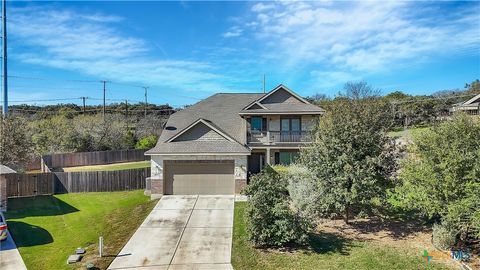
x: 471, y: 106
x: 214, y: 145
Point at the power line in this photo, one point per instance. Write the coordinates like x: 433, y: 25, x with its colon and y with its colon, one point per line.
x: 89, y: 110
x: 45, y: 100
x: 96, y: 81
x: 28, y: 87
x: 51, y: 79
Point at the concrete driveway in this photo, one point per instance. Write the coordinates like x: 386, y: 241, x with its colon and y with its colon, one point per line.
x: 182, y: 232
x: 10, y: 258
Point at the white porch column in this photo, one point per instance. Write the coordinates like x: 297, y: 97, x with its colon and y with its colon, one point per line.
x: 267, y: 156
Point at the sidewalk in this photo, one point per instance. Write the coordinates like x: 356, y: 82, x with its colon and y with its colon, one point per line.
x: 10, y: 258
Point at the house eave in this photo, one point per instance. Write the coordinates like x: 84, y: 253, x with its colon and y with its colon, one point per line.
x: 283, y: 113
x: 197, y: 154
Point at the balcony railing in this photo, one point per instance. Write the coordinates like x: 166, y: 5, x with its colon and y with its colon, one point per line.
x: 268, y: 137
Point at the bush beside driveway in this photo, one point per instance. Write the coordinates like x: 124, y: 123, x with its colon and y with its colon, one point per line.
x: 323, y: 251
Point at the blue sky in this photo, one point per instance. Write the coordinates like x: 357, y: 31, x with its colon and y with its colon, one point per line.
x: 185, y: 51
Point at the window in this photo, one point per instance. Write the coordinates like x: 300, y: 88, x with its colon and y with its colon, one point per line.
x: 295, y: 126
x: 257, y: 123
x: 287, y: 157
x: 290, y: 124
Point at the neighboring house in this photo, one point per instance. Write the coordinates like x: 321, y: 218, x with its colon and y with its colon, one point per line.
x: 213, y: 146
x: 471, y: 106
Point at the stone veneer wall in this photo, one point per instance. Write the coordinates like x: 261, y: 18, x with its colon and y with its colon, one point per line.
x: 240, y: 171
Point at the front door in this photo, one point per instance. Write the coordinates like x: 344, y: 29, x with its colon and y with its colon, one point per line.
x: 256, y: 161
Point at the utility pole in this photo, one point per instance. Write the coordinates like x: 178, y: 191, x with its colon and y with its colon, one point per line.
x: 393, y: 111
x: 126, y: 115
x: 146, y: 102
x: 4, y: 46
x: 104, y: 89
x: 126, y: 109
x: 83, y: 98
x: 264, y: 83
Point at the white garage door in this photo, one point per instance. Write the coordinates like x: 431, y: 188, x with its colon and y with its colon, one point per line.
x: 199, y: 177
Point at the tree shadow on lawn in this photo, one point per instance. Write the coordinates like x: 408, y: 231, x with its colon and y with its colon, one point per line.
x: 320, y: 243
x: 396, y: 229
x: 375, y: 227
x: 37, y: 206
x: 329, y: 243
x: 27, y: 235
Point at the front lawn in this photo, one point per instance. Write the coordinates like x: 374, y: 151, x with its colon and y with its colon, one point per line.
x: 49, y: 228
x: 325, y: 251
x: 408, y: 133
x: 110, y: 167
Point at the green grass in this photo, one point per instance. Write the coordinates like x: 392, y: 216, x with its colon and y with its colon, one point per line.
x: 110, y: 167
x: 325, y: 251
x: 409, y: 133
x: 48, y: 228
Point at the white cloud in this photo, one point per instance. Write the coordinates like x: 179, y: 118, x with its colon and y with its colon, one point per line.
x: 93, y: 45
x: 260, y: 7
x: 233, y: 32
x: 364, y: 37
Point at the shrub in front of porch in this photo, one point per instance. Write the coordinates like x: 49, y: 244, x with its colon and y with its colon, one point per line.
x: 270, y: 219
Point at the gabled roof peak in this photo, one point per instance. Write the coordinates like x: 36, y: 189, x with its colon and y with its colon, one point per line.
x: 206, y: 122
x: 258, y: 102
x: 472, y: 100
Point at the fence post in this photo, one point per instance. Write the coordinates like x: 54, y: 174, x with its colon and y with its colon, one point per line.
x: 52, y: 178
x: 100, y: 246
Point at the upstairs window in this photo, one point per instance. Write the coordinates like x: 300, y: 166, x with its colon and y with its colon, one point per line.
x: 258, y: 123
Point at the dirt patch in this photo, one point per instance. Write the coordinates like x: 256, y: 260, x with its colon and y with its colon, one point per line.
x: 414, y: 237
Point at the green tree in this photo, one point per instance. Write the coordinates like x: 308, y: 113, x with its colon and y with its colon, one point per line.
x: 147, y: 142
x: 441, y: 175
x: 352, y: 158
x: 54, y: 135
x: 15, y: 144
x: 473, y: 87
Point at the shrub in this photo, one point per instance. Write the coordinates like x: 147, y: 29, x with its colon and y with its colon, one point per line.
x: 464, y: 215
x: 441, y: 175
x: 146, y: 142
x: 443, y: 237
x: 270, y: 219
x: 302, y: 190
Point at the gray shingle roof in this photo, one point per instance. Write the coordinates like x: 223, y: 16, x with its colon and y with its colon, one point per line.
x: 286, y: 107
x: 199, y: 147
x: 221, y: 110
x: 4, y: 169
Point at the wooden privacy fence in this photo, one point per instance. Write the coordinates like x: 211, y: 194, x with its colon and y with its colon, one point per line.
x: 92, y: 158
x: 26, y: 185
x: 99, y: 181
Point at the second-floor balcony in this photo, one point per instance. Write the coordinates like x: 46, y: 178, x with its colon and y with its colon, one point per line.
x: 272, y: 137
